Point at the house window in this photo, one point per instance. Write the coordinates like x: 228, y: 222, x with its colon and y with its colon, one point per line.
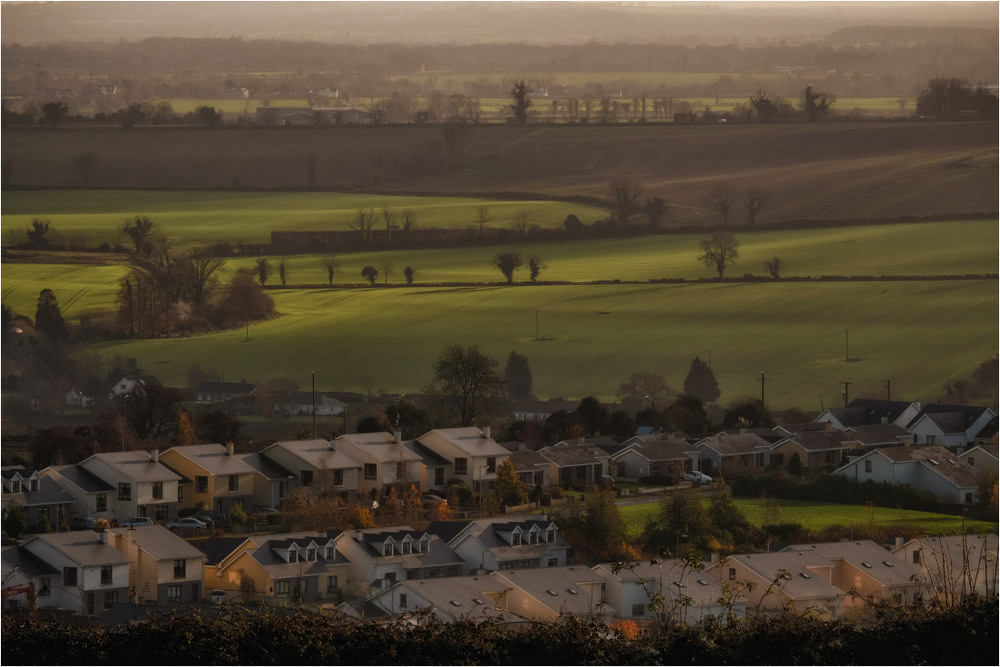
x: 310, y: 554
x: 331, y: 583
x: 461, y: 466
x: 338, y: 477
x: 550, y: 535
x: 283, y: 486
x: 916, y: 557
x: 110, y: 599
x: 402, y: 601
x: 180, y: 568
x: 371, y: 470
x: 638, y: 610
x: 180, y: 493
x: 868, y: 466
x: 732, y: 574
x: 972, y: 461
x: 406, y: 548
x: 102, y: 502
x: 69, y: 576
x: 174, y: 593
x: 15, y: 486
x: 157, y: 490
x: 33, y: 485
x: 932, y: 440
x: 424, y: 546
x: 491, y: 464
x: 400, y: 470
x: 387, y: 549
x: 969, y: 498
x: 201, y: 484
x: 44, y: 587
x: 281, y: 588
x: 515, y: 539
x: 532, y: 538
x: 234, y: 482
x: 293, y: 555
x: 105, y: 575
x: 306, y: 478
x: 439, y: 477
x: 124, y: 491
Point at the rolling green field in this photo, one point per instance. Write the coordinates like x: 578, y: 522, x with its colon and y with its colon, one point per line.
x: 816, y: 516
x: 591, y: 337
x: 189, y: 218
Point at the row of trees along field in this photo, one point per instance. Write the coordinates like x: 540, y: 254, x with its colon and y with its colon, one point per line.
x: 943, y: 99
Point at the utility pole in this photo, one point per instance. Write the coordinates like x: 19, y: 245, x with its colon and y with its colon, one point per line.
x: 762, y: 419
x: 846, y: 384
x: 847, y: 344
x: 888, y: 385
x: 314, y: 404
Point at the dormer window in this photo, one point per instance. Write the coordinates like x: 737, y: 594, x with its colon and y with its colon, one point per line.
x: 33, y: 485
x: 311, y: 554
x: 387, y: 549
x: 15, y: 486
x: 515, y: 539
x: 550, y: 535
x: 425, y: 545
x: 406, y: 548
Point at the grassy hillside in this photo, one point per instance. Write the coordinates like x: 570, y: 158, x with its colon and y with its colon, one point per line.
x: 836, y: 170
x: 591, y: 337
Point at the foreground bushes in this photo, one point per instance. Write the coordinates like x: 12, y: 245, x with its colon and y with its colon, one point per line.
x: 965, y: 635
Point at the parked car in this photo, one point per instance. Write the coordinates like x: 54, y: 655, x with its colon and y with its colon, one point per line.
x: 82, y: 523
x: 137, y: 521
x: 696, y: 476
x: 211, y: 518
x: 218, y: 596
x: 188, y: 523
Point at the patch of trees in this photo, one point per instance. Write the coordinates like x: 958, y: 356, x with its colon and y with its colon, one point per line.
x: 951, y: 99
x: 964, y: 633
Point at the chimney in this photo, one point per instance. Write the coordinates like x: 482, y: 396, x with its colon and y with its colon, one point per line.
x: 104, y: 536
x: 397, y: 436
x: 154, y: 455
x: 486, y: 431
x: 229, y: 448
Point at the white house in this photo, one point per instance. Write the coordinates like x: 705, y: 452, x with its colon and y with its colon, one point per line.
x: 144, y: 487
x: 680, y: 593
x: 473, y: 453
x: 508, y: 543
x: 386, y: 461
x: 932, y: 469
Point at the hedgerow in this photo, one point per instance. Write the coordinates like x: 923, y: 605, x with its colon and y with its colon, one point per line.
x: 963, y: 634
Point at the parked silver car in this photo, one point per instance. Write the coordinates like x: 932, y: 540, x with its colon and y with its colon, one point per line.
x: 696, y: 476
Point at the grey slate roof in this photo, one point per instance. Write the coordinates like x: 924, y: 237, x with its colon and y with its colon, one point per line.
x: 160, y: 543
x: 83, y: 478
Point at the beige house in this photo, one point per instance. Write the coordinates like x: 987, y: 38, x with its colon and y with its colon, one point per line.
x: 953, y: 566
x: 317, y: 464
x: 220, y: 479
x: 386, y: 462
x: 164, y: 568
x: 547, y: 593
x: 472, y: 453
x: 282, y: 567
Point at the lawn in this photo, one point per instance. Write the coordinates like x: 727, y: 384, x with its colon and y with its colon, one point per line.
x: 816, y: 516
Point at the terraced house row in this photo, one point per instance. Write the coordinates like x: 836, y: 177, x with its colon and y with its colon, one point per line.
x: 513, y: 570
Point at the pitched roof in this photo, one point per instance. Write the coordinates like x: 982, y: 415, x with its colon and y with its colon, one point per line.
x: 938, y: 459
x: 83, y: 547
x: 733, y: 444
x: 790, y: 570
x: 821, y: 441
x: 664, y: 450
x: 950, y: 418
x: 214, y: 458
x: 527, y: 460
x: 870, y: 411
x: 878, y: 434
x: 17, y: 557
x: 573, y: 455
x: 82, y: 478
x: 882, y: 565
x: 381, y: 446
x: 267, y: 467
x: 317, y: 453
x: 573, y: 589
x: 137, y: 465
x: 467, y: 597
x: 702, y: 589
x: 469, y: 439
x: 160, y: 543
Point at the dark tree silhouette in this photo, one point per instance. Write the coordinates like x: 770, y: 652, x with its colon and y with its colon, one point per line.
x: 507, y: 262
x: 754, y: 200
x: 700, y: 382
x: 140, y: 228
x: 521, y: 102
x: 48, y: 317
x: 624, y: 198
x: 518, y: 377
x: 719, y: 250
x: 370, y: 273
x: 466, y: 382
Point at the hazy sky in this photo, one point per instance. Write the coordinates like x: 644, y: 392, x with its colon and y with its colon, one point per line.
x: 472, y: 22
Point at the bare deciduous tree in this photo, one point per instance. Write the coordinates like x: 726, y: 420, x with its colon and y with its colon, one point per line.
x: 625, y: 197
x: 721, y: 200
x: 754, y: 199
x: 363, y: 221
x: 719, y: 250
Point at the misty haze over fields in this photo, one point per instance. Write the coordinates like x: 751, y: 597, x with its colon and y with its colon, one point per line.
x: 684, y: 23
